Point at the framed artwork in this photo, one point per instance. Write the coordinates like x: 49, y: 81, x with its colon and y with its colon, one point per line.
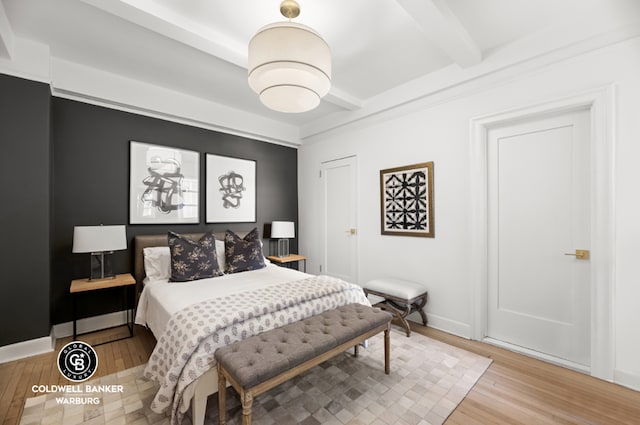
x: 406, y: 201
x: 164, y: 184
x: 231, y: 189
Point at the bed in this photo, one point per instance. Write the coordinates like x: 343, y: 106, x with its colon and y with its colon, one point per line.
x: 220, y: 311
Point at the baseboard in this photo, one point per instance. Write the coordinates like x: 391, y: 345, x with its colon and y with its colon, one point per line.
x: 443, y: 324
x: 627, y: 379
x: 538, y: 355
x: 91, y: 324
x: 32, y: 347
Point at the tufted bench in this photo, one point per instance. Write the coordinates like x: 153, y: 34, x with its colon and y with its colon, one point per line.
x: 263, y: 361
x: 401, y: 297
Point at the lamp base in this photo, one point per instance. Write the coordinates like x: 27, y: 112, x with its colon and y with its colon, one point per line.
x: 101, y: 266
x: 283, y: 248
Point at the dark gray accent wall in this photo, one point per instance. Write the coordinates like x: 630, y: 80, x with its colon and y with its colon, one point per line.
x: 66, y: 163
x: 25, y: 211
x: 91, y: 186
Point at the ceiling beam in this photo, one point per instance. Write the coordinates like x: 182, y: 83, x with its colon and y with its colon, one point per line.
x: 99, y: 87
x: 6, y: 35
x: 343, y: 99
x: 444, y: 29
x: 161, y: 20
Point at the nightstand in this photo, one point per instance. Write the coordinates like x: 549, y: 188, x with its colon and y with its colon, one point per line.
x: 289, y: 260
x: 125, y: 282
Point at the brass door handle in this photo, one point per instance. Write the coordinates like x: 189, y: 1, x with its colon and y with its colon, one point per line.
x: 581, y: 254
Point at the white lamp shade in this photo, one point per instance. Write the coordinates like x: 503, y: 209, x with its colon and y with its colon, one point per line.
x: 282, y: 230
x: 289, y: 67
x: 99, y: 238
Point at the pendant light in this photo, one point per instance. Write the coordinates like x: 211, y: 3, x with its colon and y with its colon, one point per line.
x: 289, y: 64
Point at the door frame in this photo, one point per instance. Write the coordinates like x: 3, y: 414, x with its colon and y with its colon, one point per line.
x: 353, y: 164
x: 600, y: 103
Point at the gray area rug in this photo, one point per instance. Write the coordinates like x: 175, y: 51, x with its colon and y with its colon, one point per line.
x: 428, y: 380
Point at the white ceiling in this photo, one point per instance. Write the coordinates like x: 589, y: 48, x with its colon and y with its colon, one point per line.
x: 385, y: 52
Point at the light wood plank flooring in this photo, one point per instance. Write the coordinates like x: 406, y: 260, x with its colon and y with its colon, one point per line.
x: 520, y: 390
x: 514, y: 390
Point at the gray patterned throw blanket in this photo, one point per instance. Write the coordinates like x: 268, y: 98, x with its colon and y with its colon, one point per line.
x: 186, y: 349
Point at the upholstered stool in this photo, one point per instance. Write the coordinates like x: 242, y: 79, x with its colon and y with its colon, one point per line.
x: 401, y: 297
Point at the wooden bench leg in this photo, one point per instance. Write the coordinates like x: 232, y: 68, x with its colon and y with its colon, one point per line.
x: 247, y: 403
x: 407, y: 310
x: 222, y: 396
x: 420, y: 307
x: 399, y: 314
x: 387, y: 350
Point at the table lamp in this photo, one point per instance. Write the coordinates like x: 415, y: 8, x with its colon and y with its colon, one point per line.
x: 283, y: 231
x: 100, y: 241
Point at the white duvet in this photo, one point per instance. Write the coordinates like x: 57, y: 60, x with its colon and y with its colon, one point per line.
x: 160, y: 299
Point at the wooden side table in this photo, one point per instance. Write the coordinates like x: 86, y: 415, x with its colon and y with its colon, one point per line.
x: 289, y: 260
x: 123, y: 281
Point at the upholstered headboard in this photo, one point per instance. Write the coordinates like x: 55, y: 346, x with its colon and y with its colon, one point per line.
x: 144, y: 241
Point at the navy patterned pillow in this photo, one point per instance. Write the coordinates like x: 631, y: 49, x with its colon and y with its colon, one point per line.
x: 243, y: 254
x: 192, y: 260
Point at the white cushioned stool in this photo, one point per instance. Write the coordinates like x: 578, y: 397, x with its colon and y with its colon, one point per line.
x: 401, y: 297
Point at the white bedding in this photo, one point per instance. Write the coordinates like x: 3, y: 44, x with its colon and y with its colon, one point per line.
x: 183, y: 360
x: 160, y: 299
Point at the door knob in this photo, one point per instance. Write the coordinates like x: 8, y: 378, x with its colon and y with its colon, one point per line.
x: 581, y: 254
x: 351, y: 231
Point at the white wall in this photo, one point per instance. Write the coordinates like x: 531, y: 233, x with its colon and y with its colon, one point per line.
x: 440, y: 133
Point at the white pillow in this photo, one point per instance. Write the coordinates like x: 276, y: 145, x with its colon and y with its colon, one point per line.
x: 157, y: 262
x: 222, y: 262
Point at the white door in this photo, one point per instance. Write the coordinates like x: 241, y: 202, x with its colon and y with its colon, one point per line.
x: 538, y: 212
x: 339, y: 235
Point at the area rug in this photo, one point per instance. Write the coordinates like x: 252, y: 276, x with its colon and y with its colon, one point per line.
x: 428, y: 380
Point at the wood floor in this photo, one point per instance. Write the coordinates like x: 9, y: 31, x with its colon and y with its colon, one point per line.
x: 520, y: 390
x: 514, y: 390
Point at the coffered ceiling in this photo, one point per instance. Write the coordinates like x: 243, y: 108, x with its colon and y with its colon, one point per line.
x: 385, y: 52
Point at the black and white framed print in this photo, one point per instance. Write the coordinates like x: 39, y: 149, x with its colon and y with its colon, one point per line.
x: 406, y: 200
x: 231, y: 189
x: 164, y: 184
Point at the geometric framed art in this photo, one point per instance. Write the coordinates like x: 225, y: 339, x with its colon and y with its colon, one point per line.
x: 231, y: 189
x: 164, y: 185
x: 406, y: 201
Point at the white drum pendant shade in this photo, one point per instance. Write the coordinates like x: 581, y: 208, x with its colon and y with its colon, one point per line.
x: 289, y: 67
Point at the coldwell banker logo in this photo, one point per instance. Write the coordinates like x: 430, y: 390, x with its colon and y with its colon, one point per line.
x: 77, y: 361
